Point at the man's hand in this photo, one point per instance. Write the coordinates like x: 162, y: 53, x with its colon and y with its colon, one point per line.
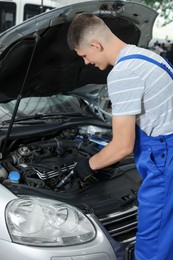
x: 83, y: 170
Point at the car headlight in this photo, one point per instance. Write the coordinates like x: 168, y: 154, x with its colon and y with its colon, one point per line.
x: 45, y: 222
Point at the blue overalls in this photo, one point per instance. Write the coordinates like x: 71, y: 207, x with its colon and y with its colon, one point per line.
x: 154, y: 161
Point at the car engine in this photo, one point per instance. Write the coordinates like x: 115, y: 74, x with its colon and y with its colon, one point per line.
x: 49, y: 162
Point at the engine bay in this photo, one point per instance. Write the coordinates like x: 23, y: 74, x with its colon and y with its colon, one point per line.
x: 49, y: 162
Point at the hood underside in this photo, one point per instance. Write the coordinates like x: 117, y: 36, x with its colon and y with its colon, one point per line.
x: 35, y: 59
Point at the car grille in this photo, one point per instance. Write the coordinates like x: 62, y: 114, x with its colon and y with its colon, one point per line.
x: 121, y: 225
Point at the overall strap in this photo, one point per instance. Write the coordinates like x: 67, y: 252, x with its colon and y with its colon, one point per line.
x: 143, y: 57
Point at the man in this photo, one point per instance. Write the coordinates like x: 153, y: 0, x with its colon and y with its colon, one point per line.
x: 141, y: 94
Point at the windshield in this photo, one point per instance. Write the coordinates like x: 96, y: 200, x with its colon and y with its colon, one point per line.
x: 46, y: 105
x: 7, y: 15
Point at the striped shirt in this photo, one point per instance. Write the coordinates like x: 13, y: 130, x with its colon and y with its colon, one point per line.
x: 138, y: 87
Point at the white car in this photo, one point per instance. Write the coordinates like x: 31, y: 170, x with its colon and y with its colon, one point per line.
x: 51, y: 115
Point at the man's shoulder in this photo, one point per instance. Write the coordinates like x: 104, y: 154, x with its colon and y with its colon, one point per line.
x: 133, y: 49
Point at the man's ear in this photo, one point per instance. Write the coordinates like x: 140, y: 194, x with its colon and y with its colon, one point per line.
x: 97, y: 45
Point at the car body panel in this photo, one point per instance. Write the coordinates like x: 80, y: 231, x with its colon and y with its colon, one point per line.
x: 6, y: 196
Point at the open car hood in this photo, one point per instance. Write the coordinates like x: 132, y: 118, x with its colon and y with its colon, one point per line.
x: 35, y: 59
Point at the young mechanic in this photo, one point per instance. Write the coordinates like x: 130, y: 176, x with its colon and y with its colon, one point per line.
x: 140, y: 88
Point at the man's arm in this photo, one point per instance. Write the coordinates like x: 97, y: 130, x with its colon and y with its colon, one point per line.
x: 121, y: 145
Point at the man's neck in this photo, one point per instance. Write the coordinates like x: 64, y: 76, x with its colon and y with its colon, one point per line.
x: 114, y: 49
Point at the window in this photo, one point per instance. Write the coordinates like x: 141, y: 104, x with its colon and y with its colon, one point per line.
x: 31, y: 10
x: 7, y: 15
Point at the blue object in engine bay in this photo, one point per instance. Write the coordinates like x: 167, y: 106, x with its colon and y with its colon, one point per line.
x: 101, y: 142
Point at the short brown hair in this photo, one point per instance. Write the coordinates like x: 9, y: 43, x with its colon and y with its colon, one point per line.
x: 81, y: 25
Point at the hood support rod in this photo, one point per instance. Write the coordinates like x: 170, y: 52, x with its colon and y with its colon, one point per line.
x: 19, y: 97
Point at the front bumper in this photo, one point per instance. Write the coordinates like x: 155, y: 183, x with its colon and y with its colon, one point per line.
x: 98, y: 249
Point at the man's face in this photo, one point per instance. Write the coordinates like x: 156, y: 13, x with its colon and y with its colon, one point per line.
x: 94, y: 55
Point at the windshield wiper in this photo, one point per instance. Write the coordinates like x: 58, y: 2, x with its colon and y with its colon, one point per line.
x: 39, y: 116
